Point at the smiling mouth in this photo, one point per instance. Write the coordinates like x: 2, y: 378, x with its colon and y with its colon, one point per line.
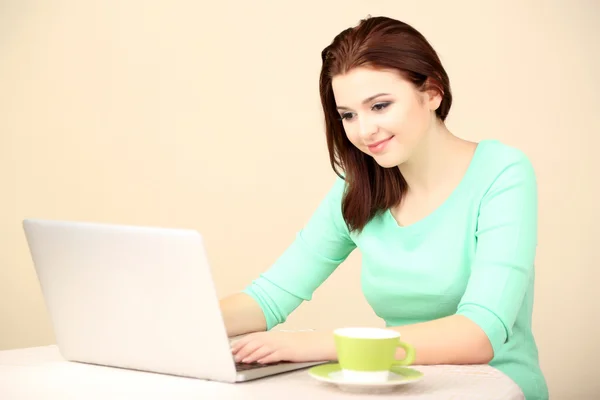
x: 379, y: 146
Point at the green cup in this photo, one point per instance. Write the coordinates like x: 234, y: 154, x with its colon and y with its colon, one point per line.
x: 368, y: 354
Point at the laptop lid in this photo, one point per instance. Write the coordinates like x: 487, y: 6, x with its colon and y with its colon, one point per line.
x: 132, y: 297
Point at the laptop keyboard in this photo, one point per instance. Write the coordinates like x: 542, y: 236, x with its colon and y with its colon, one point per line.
x: 249, y: 366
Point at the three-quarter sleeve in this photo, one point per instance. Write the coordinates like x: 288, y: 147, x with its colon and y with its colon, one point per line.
x: 318, y: 249
x: 503, y: 266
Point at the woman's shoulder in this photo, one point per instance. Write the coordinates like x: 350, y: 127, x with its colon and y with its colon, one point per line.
x: 494, y: 158
x: 494, y: 153
x: 498, y: 163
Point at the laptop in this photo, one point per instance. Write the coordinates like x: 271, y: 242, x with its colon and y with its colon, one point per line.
x: 135, y: 297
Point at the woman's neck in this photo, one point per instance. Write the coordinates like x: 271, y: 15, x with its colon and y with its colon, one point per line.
x: 440, y: 155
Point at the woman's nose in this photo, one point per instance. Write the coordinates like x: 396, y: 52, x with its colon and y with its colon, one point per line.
x: 367, y: 127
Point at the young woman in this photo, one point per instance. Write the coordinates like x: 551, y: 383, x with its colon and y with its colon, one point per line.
x: 447, y: 228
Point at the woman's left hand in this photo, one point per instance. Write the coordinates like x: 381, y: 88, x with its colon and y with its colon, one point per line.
x: 274, y: 346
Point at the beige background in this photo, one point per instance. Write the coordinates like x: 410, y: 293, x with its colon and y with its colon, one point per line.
x: 207, y: 116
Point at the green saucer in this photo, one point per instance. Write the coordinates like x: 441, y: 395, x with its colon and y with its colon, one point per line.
x: 332, y: 373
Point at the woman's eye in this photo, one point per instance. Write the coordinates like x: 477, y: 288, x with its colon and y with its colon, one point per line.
x: 347, y: 116
x: 380, y: 106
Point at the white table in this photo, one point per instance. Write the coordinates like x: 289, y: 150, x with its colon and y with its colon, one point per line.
x: 41, y: 373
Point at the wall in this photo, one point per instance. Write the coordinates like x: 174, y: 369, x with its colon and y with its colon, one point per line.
x: 179, y: 114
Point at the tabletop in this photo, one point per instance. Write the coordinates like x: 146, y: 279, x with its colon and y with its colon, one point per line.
x: 41, y: 373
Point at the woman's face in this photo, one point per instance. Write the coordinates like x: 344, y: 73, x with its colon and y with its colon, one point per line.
x: 383, y: 114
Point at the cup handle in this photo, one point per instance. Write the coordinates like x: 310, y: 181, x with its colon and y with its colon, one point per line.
x: 410, y: 354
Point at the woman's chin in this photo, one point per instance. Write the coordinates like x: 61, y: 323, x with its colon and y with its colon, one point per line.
x: 387, y: 162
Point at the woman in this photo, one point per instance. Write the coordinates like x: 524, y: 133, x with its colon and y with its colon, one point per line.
x: 447, y: 228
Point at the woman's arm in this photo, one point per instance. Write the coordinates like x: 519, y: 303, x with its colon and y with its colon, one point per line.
x: 242, y: 314
x: 318, y: 249
x: 451, y: 340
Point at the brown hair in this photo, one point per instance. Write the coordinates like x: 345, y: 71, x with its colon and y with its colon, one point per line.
x: 377, y: 42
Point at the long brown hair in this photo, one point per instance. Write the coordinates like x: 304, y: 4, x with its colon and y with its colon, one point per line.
x: 386, y: 43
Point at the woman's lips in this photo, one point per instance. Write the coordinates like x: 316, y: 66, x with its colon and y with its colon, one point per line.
x: 378, y: 147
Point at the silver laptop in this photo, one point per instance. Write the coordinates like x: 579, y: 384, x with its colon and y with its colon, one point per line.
x: 136, y: 297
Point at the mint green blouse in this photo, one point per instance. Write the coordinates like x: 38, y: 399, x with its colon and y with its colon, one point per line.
x: 473, y: 256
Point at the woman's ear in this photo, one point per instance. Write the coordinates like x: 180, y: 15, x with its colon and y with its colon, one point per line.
x: 433, y: 94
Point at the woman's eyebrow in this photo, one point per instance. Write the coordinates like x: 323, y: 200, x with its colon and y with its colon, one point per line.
x: 367, y: 100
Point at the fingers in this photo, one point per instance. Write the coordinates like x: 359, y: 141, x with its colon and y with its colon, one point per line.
x: 259, y: 347
x: 272, y: 357
x: 239, y: 343
x: 245, y: 350
x: 258, y: 354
